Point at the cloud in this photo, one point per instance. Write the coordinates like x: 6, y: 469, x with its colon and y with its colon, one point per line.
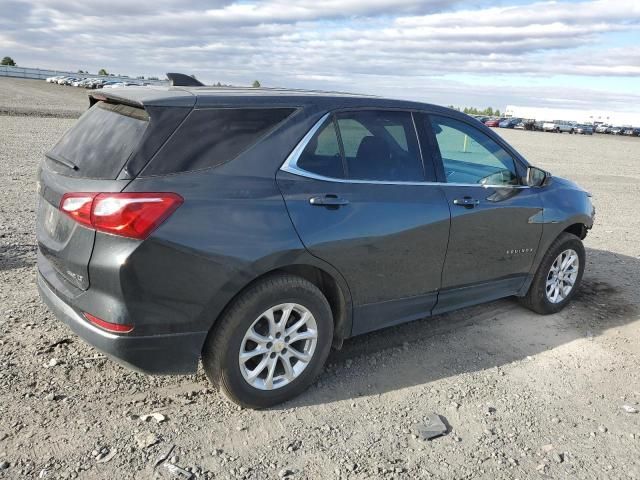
x: 352, y: 44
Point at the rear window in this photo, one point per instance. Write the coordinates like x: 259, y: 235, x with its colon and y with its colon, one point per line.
x: 211, y: 137
x: 100, y: 143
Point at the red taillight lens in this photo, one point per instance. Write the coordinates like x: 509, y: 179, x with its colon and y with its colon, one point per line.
x: 108, y: 326
x: 78, y: 206
x: 133, y: 215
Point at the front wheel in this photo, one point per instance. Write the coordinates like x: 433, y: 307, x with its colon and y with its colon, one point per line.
x: 558, y: 276
x: 271, y: 344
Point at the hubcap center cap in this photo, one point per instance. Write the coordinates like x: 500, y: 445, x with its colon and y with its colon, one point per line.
x: 278, y: 346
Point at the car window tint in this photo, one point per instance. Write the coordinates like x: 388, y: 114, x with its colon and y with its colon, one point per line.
x: 397, y: 132
x: 470, y: 156
x: 380, y: 145
x: 101, y: 141
x: 352, y: 133
x: 322, y: 154
x: 213, y: 136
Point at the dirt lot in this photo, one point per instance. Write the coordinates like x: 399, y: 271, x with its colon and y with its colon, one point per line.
x: 525, y: 396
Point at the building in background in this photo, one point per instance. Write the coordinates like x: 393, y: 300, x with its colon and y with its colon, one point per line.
x: 580, y: 116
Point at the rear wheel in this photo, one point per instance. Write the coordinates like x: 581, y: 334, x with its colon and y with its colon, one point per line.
x: 272, y: 343
x: 558, y: 276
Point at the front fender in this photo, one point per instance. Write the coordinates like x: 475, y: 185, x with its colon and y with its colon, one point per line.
x: 564, y: 205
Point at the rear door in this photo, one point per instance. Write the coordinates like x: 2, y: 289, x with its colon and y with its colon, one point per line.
x: 88, y: 158
x: 357, y: 194
x: 496, y: 221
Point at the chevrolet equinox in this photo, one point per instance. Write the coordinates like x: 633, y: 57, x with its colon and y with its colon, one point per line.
x: 256, y: 228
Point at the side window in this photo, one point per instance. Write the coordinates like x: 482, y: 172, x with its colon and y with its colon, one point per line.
x: 380, y: 145
x: 322, y: 154
x: 470, y: 156
x: 212, y: 136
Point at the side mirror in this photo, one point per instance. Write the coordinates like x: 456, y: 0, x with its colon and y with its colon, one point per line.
x: 536, y: 177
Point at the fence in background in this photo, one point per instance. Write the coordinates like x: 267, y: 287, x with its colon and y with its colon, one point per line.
x: 41, y: 74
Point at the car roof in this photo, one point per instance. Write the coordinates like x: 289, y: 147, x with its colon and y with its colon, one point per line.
x: 203, y: 97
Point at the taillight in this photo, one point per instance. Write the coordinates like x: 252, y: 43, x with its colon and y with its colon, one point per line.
x: 133, y: 215
x: 78, y: 206
x: 108, y: 326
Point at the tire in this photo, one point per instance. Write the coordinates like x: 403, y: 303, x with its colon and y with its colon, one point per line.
x: 537, y: 298
x: 221, y: 354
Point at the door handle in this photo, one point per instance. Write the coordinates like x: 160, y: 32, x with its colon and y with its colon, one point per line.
x: 329, y: 200
x: 466, y: 202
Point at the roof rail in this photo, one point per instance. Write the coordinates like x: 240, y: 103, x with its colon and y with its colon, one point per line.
x: 182, y: 80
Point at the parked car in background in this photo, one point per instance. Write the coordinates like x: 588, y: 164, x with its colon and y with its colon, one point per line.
x: 537, y: 125
x: 481, y: 118
x: 584, y: 129
x: 566, y: 127
x: 147, y: 228
x: 493, y: 122
x: 509, y: 122
x: 551, y: 127
x: 632, y: 132
x: 603, y: 128
x: 559, y: 126
x: 616, y: 130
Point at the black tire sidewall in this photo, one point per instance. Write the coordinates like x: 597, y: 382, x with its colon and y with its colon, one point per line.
x: 564, y: 242
x: 255, y: 303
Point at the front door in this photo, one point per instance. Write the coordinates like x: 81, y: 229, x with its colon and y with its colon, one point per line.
x: 495, y: 219
x: 358, y: 199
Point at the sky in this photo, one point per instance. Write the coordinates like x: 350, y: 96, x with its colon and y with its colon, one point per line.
x: 570, y: 54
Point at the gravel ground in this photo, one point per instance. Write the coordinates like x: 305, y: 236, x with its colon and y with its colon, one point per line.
x: 524, y: 396
x: 19, y: 96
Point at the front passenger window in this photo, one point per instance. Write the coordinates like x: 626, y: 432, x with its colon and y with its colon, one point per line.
x: 471, y: 157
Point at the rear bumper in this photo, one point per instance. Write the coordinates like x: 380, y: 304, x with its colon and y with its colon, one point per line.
x: 176, y: 353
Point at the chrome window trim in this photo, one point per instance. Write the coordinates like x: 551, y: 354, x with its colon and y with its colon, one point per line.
x: 290, y: 165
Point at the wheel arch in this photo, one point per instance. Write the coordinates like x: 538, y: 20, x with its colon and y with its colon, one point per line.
x: 331, y: 284
x: 578, y: 226
x: 579, y: 229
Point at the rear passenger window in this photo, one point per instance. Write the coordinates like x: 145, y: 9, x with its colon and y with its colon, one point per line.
x: 322, y: 154
x: 211, y: 137
x: 380, y: 145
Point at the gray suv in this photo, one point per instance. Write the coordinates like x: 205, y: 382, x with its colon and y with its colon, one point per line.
x: 254, y: 229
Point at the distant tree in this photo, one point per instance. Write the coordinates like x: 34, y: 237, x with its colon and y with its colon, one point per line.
x: 256, y: 84
x: 8, y: 61
x: 140, y: 77
x: 81, y: 71
x: 102, y: 71
x: 152, y: 78
x: 475, y: 111
x: 218, y: 84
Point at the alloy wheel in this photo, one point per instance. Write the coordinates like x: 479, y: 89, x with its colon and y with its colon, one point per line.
x: 278, y: 346
x: 562, y: 276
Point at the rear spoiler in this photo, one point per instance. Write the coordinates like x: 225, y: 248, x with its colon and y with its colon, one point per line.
x: 110, y: 98
x: 182, y: 80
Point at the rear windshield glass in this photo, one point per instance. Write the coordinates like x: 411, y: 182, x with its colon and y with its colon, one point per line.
x: 100, y: 143
x: 211, y: 137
